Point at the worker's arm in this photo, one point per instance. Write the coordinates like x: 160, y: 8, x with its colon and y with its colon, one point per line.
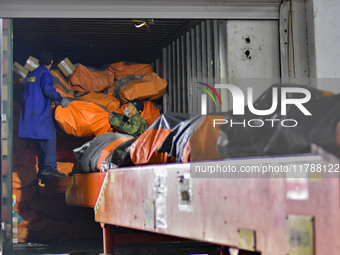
x: 48, y: 89
x: 130, y: 127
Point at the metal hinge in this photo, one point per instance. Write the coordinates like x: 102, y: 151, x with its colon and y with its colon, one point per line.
x: 3, y: 117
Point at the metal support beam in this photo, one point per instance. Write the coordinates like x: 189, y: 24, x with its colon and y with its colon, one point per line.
x: 194, y: 72
x: 183, y: 77
x: 188, y: 72
x: 108, y: 245
x: 179, y: 86
x: 165, y: 77
x: 198, y: 65
x: 202, y: 9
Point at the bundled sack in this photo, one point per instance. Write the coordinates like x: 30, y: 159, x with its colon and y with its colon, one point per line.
x: 120, y: 156
x: 193, y: 140
x: 83, y: 119
x: 59, y: 79
x: 84, y: 79
x: 240, y: 141
x: 92, y: 155
x: 60, y: 89
x: 150, y: 113
x: 121, y: 69
x: 65, y: 167
x: 179, y: 136
x: 202, y: 144
x: 61, y: 85
x: 150, y: 87
x: 107, y: 101
x: 123, y: 82
x: 144, y: 149
x: 322, y: 129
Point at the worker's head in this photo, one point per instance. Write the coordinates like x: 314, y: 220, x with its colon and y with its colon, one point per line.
x: 134, y: 107
x: 46, y: 58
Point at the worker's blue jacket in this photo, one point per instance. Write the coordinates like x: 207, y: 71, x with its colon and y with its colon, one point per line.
x: 36, y: 116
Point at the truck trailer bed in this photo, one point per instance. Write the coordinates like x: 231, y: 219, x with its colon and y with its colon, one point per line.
x: 263, y: 215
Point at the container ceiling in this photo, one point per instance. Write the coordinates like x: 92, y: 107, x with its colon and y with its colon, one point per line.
x: 94, y: 42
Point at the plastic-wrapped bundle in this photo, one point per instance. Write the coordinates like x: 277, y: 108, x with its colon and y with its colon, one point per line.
x: 107, y: 101
x: 83, y: 119
x: 96, y: 153
x: 150, y: 87
x: 144, y: 149
x: 84, y: 79
x: 122, y: 69
x: 273, y: 138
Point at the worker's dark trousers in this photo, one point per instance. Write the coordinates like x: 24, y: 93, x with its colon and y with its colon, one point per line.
x: 47, y: 154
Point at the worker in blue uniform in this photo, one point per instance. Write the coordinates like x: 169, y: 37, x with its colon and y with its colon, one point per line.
x: 36, y: 123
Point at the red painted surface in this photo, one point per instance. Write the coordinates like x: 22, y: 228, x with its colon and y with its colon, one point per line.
x: 222, y: 206
x: 218, y: 209
x: 107, y: 239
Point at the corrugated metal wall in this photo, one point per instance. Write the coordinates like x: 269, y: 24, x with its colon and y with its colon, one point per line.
x: 192, y: 58
x: 245, y: 53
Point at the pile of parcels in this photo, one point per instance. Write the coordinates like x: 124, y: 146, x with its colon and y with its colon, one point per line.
x: 86, y: 142
x: 94, y: 95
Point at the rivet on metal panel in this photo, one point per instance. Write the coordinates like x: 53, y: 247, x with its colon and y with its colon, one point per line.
x: 246, y: 239
x: 300, y: 235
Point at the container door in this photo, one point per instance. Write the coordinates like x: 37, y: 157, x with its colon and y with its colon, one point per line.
x: 253, y: 55
x: 6, y: 135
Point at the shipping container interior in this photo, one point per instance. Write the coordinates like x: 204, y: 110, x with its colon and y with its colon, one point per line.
x: 182, y: 51
x: 185, y: 52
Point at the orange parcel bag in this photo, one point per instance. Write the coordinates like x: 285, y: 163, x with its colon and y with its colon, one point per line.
x: 83, y: 119
x: 144, y: 149
x: 151, y: 87
x: 121, y: 70
x: 84, y: 79
x: 57, y: 74
x: 60, y: 89
x: 107, y: 101
x: 149, y: 114
x: 202, y: 142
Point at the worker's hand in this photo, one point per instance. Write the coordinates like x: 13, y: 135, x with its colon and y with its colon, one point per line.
x: 111, y: 117
x: 65, y: 102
